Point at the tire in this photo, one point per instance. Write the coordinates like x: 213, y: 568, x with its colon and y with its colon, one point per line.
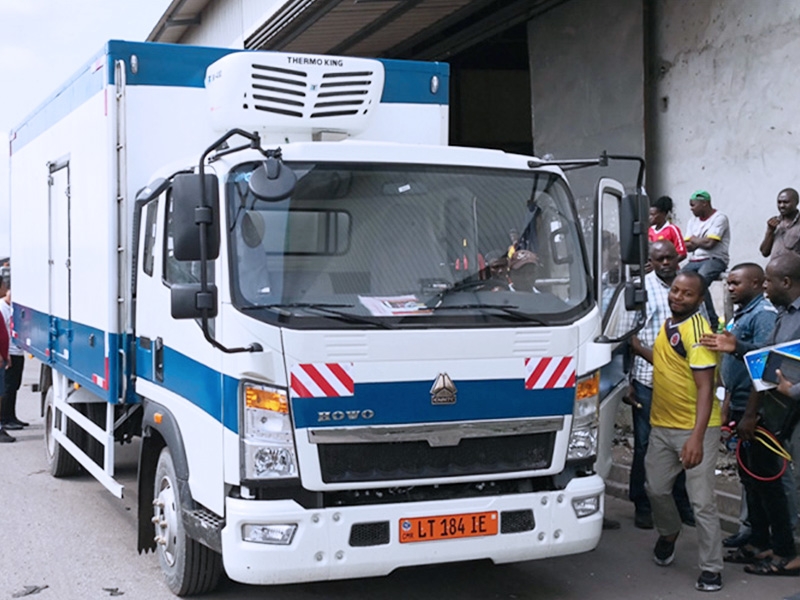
x: 45, y: 383
x: 189, y: 567
x: 60, y: 462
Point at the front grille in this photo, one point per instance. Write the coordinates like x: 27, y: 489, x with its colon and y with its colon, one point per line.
x: 516, y: 521
x: 418, y: 460
x: 369, y: 534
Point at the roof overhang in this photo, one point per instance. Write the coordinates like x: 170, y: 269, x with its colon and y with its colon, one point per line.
x: 177, y: 19
x: 415, y: 29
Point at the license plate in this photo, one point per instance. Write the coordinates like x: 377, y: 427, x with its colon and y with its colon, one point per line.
x: 448, y: 527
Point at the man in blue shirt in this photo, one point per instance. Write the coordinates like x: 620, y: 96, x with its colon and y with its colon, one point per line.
x: 750, y: 328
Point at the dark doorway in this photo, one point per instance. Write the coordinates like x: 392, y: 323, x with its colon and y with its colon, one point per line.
x: 490, y: 94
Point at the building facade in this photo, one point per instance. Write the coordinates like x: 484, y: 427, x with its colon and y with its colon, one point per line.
x: 698, y: 87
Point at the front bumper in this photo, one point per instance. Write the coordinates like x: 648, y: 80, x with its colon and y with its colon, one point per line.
x: 321, y: 549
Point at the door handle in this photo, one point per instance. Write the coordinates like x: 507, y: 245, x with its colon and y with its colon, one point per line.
x: 158, y: 360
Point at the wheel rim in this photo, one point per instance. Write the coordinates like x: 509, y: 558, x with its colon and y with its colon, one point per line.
x: 166, y: 513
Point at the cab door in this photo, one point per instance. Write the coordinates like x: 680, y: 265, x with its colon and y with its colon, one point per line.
x: 610, y: 276
x: 175, y: 367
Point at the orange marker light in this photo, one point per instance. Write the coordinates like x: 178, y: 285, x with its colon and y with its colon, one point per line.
x: 266, y: 400
x: 157, y: 418
x: 588, y: 386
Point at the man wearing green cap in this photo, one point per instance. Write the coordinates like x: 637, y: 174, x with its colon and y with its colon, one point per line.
x: 708, y: 238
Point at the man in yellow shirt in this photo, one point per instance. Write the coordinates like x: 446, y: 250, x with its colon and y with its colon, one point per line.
x: 685, y: 421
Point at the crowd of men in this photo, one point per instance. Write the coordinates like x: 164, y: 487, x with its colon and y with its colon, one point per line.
x: 683, y: 353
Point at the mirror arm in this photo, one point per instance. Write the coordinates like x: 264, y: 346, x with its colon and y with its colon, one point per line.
x: 255, y: 143
x: 601, y: 161
x: 604, y: 339
x: 219, y: 154
x: 639, y: 178
x: 204, y: 218
x: 254, y: 347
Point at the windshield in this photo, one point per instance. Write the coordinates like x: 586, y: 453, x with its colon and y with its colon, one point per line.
x: 407, y: 245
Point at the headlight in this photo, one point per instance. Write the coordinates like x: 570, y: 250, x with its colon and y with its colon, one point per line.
x: 267, y: 435
x: 585, y: 507
x: 281, y: 535
x: 585, y: 414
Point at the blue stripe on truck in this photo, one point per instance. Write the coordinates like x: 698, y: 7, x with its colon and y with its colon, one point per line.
x: 401, y: 402
x: 77, y: 350
x: 217, y: 394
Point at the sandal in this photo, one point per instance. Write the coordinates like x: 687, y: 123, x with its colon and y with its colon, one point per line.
x: 745, y: 555
x: 768, y: 567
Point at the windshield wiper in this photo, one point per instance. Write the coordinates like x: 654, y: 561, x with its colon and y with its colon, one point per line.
x: 461, y: 286
x: 327, y: 308
x: 509, y: 310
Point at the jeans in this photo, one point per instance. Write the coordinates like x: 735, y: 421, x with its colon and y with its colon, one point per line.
x: 734, y: 416
x: 710, y: 269
x: 641, y: 435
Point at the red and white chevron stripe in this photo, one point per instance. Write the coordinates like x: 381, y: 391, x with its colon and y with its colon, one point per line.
x: 549, y: 372
x: 322, y: 380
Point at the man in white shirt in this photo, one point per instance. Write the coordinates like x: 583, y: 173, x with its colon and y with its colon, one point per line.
x: 708, y: 239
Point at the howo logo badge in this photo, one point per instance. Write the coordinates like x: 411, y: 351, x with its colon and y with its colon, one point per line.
x: 443, y: 390
x: 345, y: 415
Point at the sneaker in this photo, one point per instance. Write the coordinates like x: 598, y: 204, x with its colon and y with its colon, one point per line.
x: 709, y: 582
x: 664, y: 551
x: 5, y: 438
x: 643, y: 520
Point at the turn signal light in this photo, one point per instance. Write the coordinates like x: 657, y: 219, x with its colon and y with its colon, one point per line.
x: 588, y: 386
x: 266, y: 400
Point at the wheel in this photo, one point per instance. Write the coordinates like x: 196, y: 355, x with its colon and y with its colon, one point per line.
x: 60, y: 462
x: 189, y: 566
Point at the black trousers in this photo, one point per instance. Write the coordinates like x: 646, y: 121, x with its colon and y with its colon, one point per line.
x: 13, y: 380
x: 768, y: 511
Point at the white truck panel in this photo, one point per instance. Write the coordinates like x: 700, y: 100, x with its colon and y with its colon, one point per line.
x: 78, y: 138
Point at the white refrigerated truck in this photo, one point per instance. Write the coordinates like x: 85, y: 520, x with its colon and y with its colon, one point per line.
x: 271, y: 272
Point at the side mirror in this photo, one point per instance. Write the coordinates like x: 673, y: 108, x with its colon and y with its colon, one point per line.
x: 190, y: 210
x: 272, y: 181
x: 634, y: 223
x: 635, y: 296
x: 188, y: 301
